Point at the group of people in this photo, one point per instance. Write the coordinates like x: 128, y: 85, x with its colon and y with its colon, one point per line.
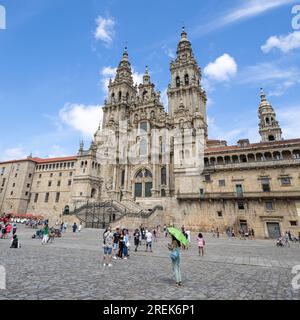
x: 286, y: 238
x: 243, y: 233
x: 8, y: 230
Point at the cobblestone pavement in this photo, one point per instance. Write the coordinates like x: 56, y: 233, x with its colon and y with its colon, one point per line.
x: 71, y: 268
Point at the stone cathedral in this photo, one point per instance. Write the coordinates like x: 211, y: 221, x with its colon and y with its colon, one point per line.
x: 152, y: 167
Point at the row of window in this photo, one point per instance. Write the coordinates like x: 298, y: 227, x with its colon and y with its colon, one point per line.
x: 58, y: 183
x: 52, y: 175
x: 284, y: 181
x: 47, y: 197
x: 61, y: 165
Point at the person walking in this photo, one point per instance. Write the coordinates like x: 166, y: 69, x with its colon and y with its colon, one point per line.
x: 108, y: 246
x: 45, y: 234
x: 201, y: 244
x: 174, y: 247
x: 148, y: 241
x: 80, y: 227
x: 136, y: 236
x: 14, y: 228
x: 74, y: 228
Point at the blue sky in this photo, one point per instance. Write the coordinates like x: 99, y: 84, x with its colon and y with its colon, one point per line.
x: 56, y: 56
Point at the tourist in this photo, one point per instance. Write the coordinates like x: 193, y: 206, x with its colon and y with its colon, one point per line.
x: 80, y: 227
x: 65, y: 226
x: 121, y: 244
x: 136, y: 236
x: 8, y: 230
x: 201, y: 244
x: 174, y: 246
x: 14, y: 228
x: 15, y: 244
x: 158, y: 231
x: 286, y: 239
x: 45, y: 234
x: 188, y: 237
x: 116, y: 237
x: 165, y: 231
x: 154, y: 234
x: 148, y: 241
x: 126, y: 244
x: 108, y: 246
x: 74, y: 228
x: 218, y: 233
x: 51, y: 235
x: 213, y: 232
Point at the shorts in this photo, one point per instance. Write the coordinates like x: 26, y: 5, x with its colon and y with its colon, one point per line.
x: 107, y: 250
x: 116, y: 246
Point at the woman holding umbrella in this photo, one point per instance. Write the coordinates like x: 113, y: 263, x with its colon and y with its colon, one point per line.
x: 178, y: 239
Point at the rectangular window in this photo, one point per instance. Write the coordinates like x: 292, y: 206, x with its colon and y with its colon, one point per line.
x: 51, y: 175
x: 241, y: 205
x: 71, y: 173
x: 220, y: 214
x: 266, y: 185
x: 40, y: 175
x: 60, y: 174
x: 1, y: 190
x: 2, y: 171
x: 16, y: 175
x: 49, y: 183
x: 30, y: 175
x: 14, y: 185
x: 28, y: 185
x: 57, y: 197
x: 269, y: 206
x: 144, y: 126
x: 285, y: 181
x: 58, y: 183
x: 12, y: 193
x: 294, y: 223
x: 47, y: 197
x: 36, y: 197
x: 222, y: 183
x: 26, y: 193
x: 239, y: 190
x: 207, y: 178
x: 3, y: 182
x: 69, y: 182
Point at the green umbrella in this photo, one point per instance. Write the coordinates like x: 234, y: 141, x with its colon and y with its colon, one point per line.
x: 178, y: 235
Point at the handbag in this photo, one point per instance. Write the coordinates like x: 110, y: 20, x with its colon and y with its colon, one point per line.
x: 174, y: 254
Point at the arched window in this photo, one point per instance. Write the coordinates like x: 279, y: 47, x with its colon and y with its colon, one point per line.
x: 123, y: 178
x: 113, y: 96
x: 178, y: 82
x: 93, y: 193
x: 143, y: 147
x: 164, y: 176
x: 271, y: 138
x: 144, y: 94
x: 120, y: 96
x: 267, y: 121
x: 186, y: 80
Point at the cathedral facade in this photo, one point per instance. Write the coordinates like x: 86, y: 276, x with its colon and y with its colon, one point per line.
x: 156, y: 167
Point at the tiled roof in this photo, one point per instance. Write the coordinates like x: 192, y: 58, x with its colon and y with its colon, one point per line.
x: 42, y: 161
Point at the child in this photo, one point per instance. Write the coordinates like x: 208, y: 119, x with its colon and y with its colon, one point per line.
x: 15, y: 244
x: 201, y: 244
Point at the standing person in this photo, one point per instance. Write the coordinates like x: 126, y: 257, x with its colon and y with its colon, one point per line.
x: 218, y: 233
x: 286, y: 239
x: 74, y: 227
x: 80, y: 227
x: 201, y: 244
x: 126, y: 244
x: 116, y: 237
x: 121, y: 244
x: 108, y: 246
x: 65, y: 227
x: 45, y: 234
x: 174, y: 247
x: 148, y: 241
x: 8, y: 230
x: 14, y: 228
x: 62, y: 227
x: 165, y: 231
x: 136, y: 236
x: 213, y: 232
x: 155, y: 235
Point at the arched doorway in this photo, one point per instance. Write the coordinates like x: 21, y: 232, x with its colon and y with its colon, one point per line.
x: 143, y: 184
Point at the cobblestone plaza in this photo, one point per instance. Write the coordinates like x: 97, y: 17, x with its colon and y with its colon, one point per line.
x: 71, y: 268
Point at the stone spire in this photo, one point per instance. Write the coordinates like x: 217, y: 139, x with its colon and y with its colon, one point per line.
x: 269, y: 128
x: 184, y: 49
x: 146, y: 77
x: 124, y: 72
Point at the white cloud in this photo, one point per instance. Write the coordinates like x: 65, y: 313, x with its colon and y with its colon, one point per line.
x: 105, y: 30
x: 82, y: 118
x: 283, y: 43
x: 56, y: 151
x: 288, y: 118
x: 222, y: 69
x: 15, y: 153
x: 248, y: 9
x: 279, y: 79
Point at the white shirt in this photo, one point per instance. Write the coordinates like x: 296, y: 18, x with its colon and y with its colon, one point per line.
x: 149, y: 236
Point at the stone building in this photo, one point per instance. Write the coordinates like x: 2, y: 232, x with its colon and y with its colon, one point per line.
x: 146, y: 165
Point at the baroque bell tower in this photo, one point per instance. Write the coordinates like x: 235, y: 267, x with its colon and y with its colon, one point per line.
x: 185, y: 92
